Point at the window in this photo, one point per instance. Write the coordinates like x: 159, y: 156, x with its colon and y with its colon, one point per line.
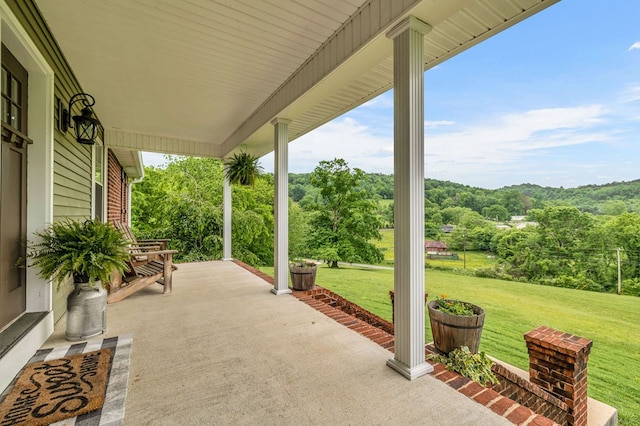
x: 14, y: 95
x: 98, y: 179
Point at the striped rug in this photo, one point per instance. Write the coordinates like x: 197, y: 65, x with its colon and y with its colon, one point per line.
x: 112, y: 412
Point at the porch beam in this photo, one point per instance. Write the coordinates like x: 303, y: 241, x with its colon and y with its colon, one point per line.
x: 408, y: 116
x: 136, y: 141
x: 281, y: 204
x: 358, y: 32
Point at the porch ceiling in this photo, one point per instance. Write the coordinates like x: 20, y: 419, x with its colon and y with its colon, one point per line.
x: 203, y: 77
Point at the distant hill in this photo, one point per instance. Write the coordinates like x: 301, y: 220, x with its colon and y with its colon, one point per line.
x: 610, y: 198
x: 588, y: 198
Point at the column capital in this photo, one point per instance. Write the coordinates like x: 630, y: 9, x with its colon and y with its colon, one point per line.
x: 280, y: 120
x: 409, y: 23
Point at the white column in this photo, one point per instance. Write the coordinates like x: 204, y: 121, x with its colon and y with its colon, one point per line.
x: 226, y: 218
x: 408, y: 83
x: 281, y: 204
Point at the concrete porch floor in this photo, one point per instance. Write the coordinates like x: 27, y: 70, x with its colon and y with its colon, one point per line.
x: 222, y: 349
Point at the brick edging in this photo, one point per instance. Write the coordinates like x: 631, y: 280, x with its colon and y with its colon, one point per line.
x: 505, y: 407
x: 379, y: 336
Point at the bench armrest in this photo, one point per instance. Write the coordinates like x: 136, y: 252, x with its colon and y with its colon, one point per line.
x: 156, y: 252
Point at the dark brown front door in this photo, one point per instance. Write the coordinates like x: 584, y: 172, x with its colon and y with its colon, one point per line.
x: 13, y: 189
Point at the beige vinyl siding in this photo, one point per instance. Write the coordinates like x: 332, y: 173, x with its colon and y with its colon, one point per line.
x: 72, y: 181
x: 60, y: 299
x: 71, y: 195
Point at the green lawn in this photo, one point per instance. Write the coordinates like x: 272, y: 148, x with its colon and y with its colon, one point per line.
x: 512, y: 309
x: 386, y: 245
x: 474, y: 259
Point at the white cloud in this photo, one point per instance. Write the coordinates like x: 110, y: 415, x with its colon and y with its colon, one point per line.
x: 631, y: 94
x: 505, y: 144
x: 342, y: 138
x: 434, y: 123
x: 154, y: 159
x: 635, y: 45
x: 495, y: 151
x: 384, y: 100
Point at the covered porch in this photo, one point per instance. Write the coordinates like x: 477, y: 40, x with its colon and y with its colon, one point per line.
x: 212, y: 79
x: 222, y: 350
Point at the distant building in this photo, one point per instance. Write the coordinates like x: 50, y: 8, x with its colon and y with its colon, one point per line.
x: 435, y: 246
x: 447, y: 229
x: 525, y: 224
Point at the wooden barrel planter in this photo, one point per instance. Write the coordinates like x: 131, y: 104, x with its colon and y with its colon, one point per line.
x: 303, y: 277
x: 453, y: 331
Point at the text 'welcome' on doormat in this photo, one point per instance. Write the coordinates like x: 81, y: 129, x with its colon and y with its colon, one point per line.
x: 81, y: 384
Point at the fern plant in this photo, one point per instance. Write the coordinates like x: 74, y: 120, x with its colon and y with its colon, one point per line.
x: 476, y: 367
x: 89, y: 251
x: 242, y: 169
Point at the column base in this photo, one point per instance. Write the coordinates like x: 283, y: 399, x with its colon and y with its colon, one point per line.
x: 410, y: 373
x: 227, y: 259
x: 279, y: 292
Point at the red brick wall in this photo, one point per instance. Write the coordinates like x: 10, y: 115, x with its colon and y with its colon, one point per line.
x: 558, y: 364
x: 531, y: 396
x: 117, y: 196
x: 350, y: 308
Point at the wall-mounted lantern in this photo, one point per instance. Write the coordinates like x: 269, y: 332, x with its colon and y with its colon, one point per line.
x: 86, y: 127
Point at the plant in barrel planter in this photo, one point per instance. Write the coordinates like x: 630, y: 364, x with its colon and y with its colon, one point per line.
x: 455, y: 324
x: 89, y: 251
x: 303, y: 274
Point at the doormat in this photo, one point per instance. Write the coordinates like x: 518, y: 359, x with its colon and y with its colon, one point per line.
x: 111, y: 412
x: 50, y: 391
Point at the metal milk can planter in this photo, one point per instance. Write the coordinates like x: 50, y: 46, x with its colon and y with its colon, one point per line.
x: 86, y: 311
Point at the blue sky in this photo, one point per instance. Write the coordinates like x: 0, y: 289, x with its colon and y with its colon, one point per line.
x: 554, y: 101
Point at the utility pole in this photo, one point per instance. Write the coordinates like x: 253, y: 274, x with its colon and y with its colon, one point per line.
x: 464, y: 248
x: 619, y: 274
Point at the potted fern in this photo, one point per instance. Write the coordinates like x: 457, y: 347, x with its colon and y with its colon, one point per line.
x: 242, y: 169
x: 90, y: 252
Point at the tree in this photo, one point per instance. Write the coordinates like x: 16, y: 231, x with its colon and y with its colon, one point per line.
x: 624, y: 231
x: 496, y: 212
x: 565, y: 249
x: 183, y: 202
x: 344, y: 219
x: 519, y: 248
x: 296, y: 192
x: 513, y: 201
x: 615, y: 207
x: 388, y: 215
x: 298, y: 231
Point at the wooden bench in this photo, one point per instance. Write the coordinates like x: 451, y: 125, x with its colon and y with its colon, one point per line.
x: 137, y: 247
x: 150, y: 263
